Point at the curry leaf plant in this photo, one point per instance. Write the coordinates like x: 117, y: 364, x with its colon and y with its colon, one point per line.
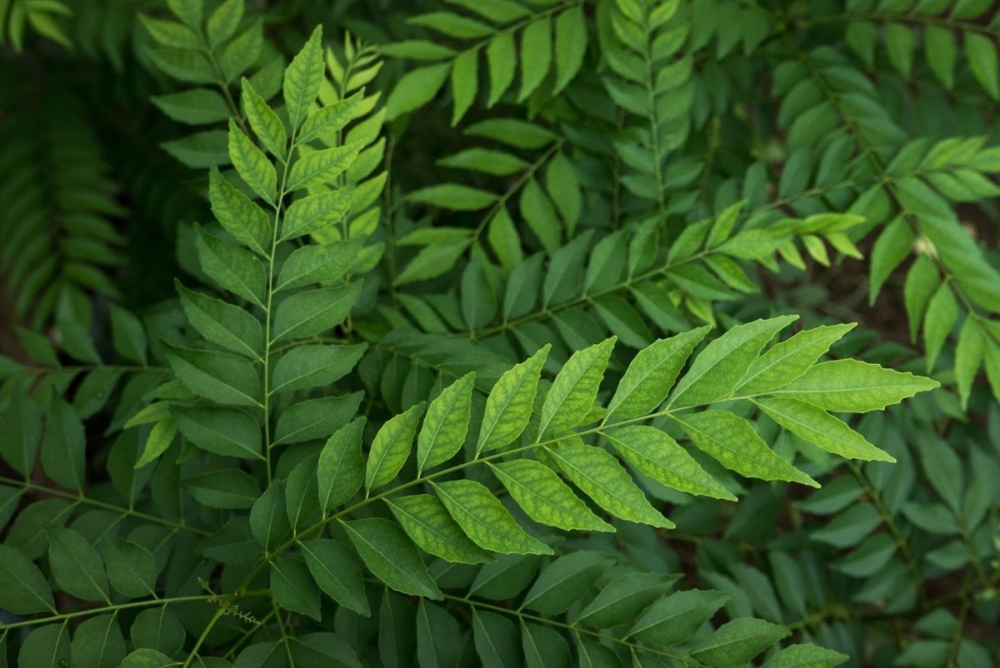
x: 519, y: 333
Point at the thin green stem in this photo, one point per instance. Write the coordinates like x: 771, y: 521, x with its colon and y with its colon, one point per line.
x: 268, y: 309
x: 281, y: 630
x: 204, y: 634
x: 148, y: 603
x: 79, y: 498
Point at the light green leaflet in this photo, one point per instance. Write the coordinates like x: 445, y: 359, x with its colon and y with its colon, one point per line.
x: 806, y: 656
x: 317, y: 264
x: 790, y: 359
x: 303, y: 78
x: 251, y: 164
x: 603, y: 479
x: 573, y: 392
x: 509, y: 405
x: 446, y: 424
x: 243, y: 219
x: 851, y: 386
x: 313, y: 213
x: 315, y: 167
x: 545, y: 498
x: 391, y: 447
x: 815, y: 425
x: 391, y: 557
x: 723, y: 363
x: 340, y: 471
x: 655, y: 454
x: 652, y: 373
x: 732, y: 441
x: 428, y: 523
x: 265, y: 123
x: 484, y: 519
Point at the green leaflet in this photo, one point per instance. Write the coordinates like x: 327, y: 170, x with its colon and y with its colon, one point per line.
x: 391, y: 557
x: 76, y: 565
x: 293, y: 587
x: 238, y: 215
x: 224, y: 431
x: 496, y: 640
x: 509, y: 405
x: 446, y: 424
x: 545, y: 498
x: 851, y: 386
x: 575, y: 388
x: 310, y: 312
x: 229, y: 326
x: 304, y: 367
x: 732, y: 442
x: 220, y: 377
x: 315, y: 418
x: 64, y: 446
x: 337, y: 573
x: 131, y: 568
x: 543, y: 647
x: 790, y: 359
x: 716, y: 372
x: 602, y: 478
x: 340, y: 470
x: 737, y: 642
x: 22, y: 428
x: 46, y: 647
x: 98, y: 641
x: 23, y: 589
x: 564, y: 582
x: 484, y: 519
x: 655, y: 454
x: 652, y: 373
x: 231, y: 267
x: 391, y: 448
x: 231, y: 489
x: 438, y: 636
x: 269, y: 517
x: 427, y: 522
x: 624, y: 598
x: 815, y: 425
x: 676, y: 618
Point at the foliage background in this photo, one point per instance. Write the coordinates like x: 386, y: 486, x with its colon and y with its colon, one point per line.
x: 532, y: 172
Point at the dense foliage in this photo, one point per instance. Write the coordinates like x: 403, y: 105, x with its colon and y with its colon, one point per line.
x: 508, y: 333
